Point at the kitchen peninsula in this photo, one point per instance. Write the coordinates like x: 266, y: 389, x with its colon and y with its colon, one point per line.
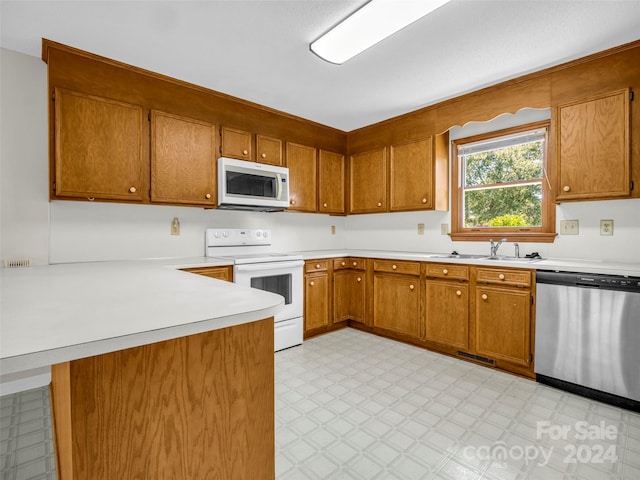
x: 157, y: 373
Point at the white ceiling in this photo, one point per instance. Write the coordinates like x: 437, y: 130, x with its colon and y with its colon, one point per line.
x: 259, y: 50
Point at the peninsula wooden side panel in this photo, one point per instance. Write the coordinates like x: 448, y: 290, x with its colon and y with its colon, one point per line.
x: 200, y: 406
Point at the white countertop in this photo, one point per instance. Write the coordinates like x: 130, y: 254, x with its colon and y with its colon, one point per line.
x: 56, y: 313
x: 570, y: 265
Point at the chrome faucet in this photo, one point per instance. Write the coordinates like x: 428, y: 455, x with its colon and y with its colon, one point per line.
x: 495, y: 246
x: 517, y: 248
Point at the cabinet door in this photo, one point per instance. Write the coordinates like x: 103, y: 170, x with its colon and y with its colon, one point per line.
x: 396, y: 303
x: 98, y: 148
x: 593, y: 147
x: 411, y: 171
x: 349, y: 295
x: 331, y: 182
x: 503, y: 324
x: 301, y: 161
x: 183, y: 160
x: 269, y: 150
x: 447, y: 319
x: 236, y: 143
x: 368, y: 182
x: 316, y: 301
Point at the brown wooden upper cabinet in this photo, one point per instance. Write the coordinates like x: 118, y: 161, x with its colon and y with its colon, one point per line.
x: 330, y: 182
x: 98, y: 148
x: 368, y: 181
x: 301, y: 161
x: 269, y: 150
x: 419, y: 175
x: 236, y: 143
x: 593, y: 147
x: 183, y: 160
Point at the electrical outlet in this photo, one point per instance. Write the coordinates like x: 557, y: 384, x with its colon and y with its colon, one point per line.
x: 333, y: 229
x: 606, y: 227
x: 444, y: 228
x: 569, y: 227
x: 175, y: 226
x: 421, y: 229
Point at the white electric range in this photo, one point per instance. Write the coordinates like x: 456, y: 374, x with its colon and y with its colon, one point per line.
x: 257, y: 267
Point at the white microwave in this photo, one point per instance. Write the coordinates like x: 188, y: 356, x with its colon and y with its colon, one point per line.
x: 246, y: 185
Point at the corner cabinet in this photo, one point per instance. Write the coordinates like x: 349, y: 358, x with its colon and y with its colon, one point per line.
x: 349, y: 289
x: 98, y: 148
x: 331, y: 182
x: 593, y: 147
x: 368, y: 182
x: 183, y: 160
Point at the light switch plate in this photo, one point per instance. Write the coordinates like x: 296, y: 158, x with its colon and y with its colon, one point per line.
x: 569, y: 227
x: 333, y: 229
x: 421, y: 229
x: 606, y: 227
x: 444, y: 228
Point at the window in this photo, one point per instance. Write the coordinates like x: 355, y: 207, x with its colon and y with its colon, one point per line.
x: 500, y: 187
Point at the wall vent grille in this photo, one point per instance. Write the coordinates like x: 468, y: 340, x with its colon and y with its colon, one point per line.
x: 17, y: 263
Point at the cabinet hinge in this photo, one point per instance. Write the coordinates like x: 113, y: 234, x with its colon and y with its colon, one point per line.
x: 53, y: 96
x: 149, y: 115
x: 54, y: 187
x: 632, y: 184
x: 531, y: 299
x: 531, y: 357
x: 631, y: 96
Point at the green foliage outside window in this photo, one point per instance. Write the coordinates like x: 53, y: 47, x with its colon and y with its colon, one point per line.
x: 503, y: 187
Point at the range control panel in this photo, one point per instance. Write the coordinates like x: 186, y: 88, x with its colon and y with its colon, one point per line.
x: 231, y: 237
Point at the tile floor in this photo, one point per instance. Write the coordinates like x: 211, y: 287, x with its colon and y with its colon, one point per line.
x: 350, y: 405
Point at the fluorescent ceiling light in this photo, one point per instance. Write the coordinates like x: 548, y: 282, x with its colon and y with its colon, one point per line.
x: 376, y: 21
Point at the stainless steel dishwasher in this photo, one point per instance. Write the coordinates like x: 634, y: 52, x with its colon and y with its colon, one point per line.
x: 588, y: 335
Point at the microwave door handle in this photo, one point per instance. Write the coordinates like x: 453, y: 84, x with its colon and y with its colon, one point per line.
x: 278, y: 186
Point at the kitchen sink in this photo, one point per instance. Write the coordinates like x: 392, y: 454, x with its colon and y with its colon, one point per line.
x: 458, y: 255
x: 514, y: 259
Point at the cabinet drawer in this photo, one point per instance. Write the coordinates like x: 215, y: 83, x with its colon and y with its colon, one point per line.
x: 448, y: 270
x: 348, y: 262
x: 406, y: 268
x: 316, y: 265
x: 520, y: 278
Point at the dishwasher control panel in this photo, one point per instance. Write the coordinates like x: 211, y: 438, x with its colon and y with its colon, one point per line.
x: 610, y: 282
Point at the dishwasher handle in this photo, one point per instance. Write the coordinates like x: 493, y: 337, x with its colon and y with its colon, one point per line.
x: 556, y: 278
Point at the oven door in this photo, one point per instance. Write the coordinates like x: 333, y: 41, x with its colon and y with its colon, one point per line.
x: 283, y: 278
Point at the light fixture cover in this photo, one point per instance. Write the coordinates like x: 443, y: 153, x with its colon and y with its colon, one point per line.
x: 374, y: 22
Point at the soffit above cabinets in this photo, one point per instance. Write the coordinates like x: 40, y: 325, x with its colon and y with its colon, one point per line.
x: 259, y: 50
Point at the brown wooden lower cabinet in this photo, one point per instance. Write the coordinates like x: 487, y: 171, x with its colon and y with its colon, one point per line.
x: 396, y: 303
x: 221, y: 273
x: 180, y: 409
x: 447, y: 313
x: 316, y: 298
x: 349, y: 287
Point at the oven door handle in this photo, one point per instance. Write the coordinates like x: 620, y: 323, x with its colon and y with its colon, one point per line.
x: 262, y: 267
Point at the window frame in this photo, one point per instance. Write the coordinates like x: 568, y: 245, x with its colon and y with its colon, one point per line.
x: 546, y: 233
